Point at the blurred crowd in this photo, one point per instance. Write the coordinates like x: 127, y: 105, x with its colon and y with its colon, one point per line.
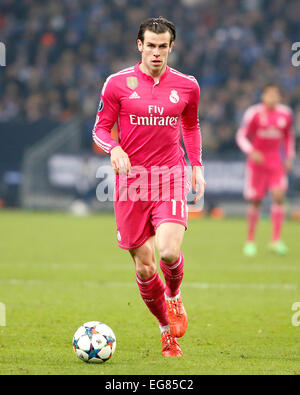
x: 59, y: 54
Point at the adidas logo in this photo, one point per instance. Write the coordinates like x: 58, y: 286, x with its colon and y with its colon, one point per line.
x: 134, y: 95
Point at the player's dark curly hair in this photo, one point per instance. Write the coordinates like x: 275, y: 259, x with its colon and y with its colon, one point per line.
x: 271, y: 84
x: 157, y: 25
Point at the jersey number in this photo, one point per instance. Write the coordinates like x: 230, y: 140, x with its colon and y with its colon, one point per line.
x: 174, y: 207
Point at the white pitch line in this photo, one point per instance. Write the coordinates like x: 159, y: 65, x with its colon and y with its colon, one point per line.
x: 293, y: 287
x: 198, y: 285
x: 129, y: 267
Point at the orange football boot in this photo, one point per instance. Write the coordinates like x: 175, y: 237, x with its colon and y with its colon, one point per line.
x: 170, y: 346
x: 178, y: 320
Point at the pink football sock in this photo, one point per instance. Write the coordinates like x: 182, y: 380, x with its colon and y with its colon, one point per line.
x: 152, y: 291
x: 173, y: 274
x: 277, y: 218
x: 253, y: 215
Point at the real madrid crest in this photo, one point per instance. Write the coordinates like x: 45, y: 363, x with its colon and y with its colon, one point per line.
x: 132, y: 82
x: 281, y: 122
x: 174, y: 98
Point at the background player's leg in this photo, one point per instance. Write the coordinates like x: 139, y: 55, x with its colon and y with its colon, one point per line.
x: 256, y: 186
x: 150, y: 284
x: 277, y: 219
x: 253, y: 214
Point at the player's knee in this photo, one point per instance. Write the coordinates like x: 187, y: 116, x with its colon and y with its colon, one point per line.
x: 278, y: 197
x: 255, y: 203
x: 279, y: 201
x: 169, y: 254
x: 144, y: 260
x: 145, y: 265
x: 145, y: 269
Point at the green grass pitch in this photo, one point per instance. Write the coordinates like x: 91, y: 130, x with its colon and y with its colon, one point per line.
x: 58, y: 271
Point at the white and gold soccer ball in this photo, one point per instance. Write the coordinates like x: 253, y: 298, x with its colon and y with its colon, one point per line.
x: 94, y: 342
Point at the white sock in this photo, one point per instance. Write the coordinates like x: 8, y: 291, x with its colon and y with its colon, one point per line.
x: 165, y: 328
x: 173, y: 297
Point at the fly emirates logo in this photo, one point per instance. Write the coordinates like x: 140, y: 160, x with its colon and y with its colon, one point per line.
x: 155, y: 118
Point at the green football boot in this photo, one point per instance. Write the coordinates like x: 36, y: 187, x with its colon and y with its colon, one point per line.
x: 250, y: 249
x: 278, y: 247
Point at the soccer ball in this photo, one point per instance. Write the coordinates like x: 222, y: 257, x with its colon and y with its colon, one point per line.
x: 94, y: 342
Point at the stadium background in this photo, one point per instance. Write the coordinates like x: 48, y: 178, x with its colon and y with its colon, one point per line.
x: 59, y: 270
x: 59, y: 54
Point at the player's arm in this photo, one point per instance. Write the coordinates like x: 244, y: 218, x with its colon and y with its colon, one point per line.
x: 191, y: 134
x: 244, y: 134
x: 289, y: 144
x: 107, y: 115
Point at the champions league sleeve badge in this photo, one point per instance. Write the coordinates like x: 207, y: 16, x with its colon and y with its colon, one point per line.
x: 101, y: 105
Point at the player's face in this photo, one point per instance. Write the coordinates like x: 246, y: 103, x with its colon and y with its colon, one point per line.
x: 271, y: 97
x: 155, y: 51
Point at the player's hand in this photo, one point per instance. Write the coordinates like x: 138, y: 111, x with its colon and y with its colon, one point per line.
x: 120, y: 161
x: 256, y: 156
x: 288, y: 164
x: 198, y: 180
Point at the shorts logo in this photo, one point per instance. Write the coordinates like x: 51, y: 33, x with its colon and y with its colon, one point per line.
x: 174, y: 98
x: 119, y: 238
x: 101, y: 105
x: 132, y: 83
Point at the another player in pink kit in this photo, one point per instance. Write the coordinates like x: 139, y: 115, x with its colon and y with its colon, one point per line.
x: 150, y: 102
x: 266, y: 137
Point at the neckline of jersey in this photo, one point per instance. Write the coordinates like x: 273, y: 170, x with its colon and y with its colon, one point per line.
x: 269, y: 110
x: 148, y: 77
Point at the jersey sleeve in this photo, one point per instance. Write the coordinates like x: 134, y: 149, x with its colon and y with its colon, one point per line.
x: 107, y: 115
x: 289, y: 139
x: 191, y: 132
x: 246, y: 131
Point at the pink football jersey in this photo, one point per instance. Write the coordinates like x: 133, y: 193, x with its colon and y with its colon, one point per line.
x: 149, y: 116
x: 267, y: 131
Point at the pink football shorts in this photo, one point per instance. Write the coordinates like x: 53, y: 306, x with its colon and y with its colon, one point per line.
x: 259, y: 180
x: 138, y: 219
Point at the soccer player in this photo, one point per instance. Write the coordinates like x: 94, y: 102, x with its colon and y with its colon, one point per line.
x: 266, y: 137
x: 150, y: 101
